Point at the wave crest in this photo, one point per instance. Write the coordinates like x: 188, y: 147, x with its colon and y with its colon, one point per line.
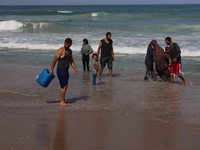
x: 10, y: 25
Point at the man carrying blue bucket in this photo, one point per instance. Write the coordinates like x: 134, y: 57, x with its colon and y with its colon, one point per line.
x: 64, y: 57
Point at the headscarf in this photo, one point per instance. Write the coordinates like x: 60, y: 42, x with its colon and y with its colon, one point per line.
x: 160, y: 62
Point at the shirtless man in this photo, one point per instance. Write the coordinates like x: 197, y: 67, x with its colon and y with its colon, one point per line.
x: 175, y: 55
x: 64, y: 57
x: 107, y: 53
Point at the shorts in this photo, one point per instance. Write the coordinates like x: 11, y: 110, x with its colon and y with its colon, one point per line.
x: 175, y: 69
x: 63, y: 78
x: 107, y: 60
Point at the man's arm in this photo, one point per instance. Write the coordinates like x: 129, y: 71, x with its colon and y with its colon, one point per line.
x: 57, y: 56
x: 112, y: 51
x: 73, y: 64
x: 99, y: 48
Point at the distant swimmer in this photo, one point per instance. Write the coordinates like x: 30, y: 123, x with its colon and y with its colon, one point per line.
x: 175, y: 55
x: 64, y: 57
x: 107, y: 53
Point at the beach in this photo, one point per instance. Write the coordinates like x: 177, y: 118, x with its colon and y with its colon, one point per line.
x: 122, y: 112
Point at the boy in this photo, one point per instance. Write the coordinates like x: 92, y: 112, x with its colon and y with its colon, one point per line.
x: 175, y: 55
x: 95, y: 67
x: 167, y: 56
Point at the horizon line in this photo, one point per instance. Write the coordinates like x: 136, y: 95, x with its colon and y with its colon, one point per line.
x: 88, y: 4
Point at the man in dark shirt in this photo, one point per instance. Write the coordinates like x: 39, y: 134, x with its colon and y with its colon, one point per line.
x: 64, y: 58
x: 107, y: 53
x: 175, y: 55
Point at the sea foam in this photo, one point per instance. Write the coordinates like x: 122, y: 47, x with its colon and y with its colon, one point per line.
x: 10, y: 25
x: 65, y: 12
x: 94, y: 14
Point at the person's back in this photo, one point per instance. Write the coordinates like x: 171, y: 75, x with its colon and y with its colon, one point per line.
x: 149, y: 54
x: 63, y: 62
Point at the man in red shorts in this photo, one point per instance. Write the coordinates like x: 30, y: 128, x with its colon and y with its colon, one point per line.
x: 175, y: 55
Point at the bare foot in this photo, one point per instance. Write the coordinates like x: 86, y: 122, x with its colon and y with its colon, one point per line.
x: 99, y: 77
x: 184, y: 82
x: 64, y: 104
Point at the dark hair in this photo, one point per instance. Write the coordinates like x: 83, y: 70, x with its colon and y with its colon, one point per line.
x: 166, y: 48
x: 94, y: 55
x: 168, y: 39
x: 108, y: 33
x: 86, y: 41
x: 68, y: 40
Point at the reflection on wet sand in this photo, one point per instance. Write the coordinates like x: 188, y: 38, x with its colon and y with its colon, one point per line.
x: 61, y: 135
x: 55, y: 133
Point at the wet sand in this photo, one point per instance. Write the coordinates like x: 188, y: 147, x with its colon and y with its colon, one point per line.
x: 122, y: 112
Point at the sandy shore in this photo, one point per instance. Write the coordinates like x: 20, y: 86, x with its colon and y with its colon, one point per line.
x: 119, y: 113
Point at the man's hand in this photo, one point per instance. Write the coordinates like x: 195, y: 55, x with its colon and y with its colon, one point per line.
x: 86, y: 54
x: 51, y: 71
x: 113, y: 58
x: 76, y: 71
x: 174, y: 60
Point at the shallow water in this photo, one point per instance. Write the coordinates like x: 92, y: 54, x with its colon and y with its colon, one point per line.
x: 123, y: 93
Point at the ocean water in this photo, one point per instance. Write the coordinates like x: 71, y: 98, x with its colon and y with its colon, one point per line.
x: 32, y: 34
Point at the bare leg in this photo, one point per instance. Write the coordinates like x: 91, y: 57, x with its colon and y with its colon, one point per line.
x: 62, y: 94
x: 110, y: 72
x: 184, y: 81
x: 100, y: 72
x: 171, y: 78
x: 154, y: 75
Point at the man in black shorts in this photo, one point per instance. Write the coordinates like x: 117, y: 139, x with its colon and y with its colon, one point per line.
x: 107, y: 53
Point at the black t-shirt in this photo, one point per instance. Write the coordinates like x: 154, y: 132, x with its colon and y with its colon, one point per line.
x: 106, y: 48
x: 175, y: 52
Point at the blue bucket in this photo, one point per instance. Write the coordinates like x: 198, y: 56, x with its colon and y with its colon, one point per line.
x: 45, y: 78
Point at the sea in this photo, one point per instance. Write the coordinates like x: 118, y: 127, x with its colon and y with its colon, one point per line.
x: 31, y: 35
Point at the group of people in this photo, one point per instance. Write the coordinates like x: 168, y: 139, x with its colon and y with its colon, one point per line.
x: 107, y: 56
x: 155, y: 53
x: 65, y: 58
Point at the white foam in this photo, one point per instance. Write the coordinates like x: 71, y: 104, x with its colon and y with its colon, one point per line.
x: 39, y: 25
x: 65, y: 12
x: 190, y: 53
x: 29, y: 46
x: 10, y: 25
x: 94, y: 14
x: 120, y: 49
